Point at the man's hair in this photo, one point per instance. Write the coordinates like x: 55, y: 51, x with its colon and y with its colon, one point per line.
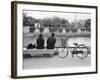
x: 41, y: 35
x: 53, y: 34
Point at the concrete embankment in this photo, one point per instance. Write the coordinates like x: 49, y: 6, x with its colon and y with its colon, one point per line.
x: 84, y: 34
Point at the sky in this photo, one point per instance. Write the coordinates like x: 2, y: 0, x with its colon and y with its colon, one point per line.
x: 67, y: 15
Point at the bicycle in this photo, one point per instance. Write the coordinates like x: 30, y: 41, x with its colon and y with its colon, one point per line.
x: 80, y: 50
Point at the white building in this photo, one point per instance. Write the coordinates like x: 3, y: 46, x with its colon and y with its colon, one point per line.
x: 37, y: 25
x: 26, y: 29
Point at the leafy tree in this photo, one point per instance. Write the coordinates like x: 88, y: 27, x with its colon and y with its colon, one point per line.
x: 88, y: 23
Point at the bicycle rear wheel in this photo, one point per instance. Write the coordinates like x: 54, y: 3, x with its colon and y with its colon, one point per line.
x: 62, y: 51
x: 82, y: 52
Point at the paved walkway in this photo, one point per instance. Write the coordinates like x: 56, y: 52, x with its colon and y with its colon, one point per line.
x: 55, y: 62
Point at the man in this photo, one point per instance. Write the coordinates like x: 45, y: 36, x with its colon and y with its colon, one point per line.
x: 51, y: 42
x: 40, y: 42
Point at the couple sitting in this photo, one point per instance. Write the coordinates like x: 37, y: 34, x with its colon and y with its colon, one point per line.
x: 50, y: 42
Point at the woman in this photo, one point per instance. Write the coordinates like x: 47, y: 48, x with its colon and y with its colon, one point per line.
x: 40, y: 42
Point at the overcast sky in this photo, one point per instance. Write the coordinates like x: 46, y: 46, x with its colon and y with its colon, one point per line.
x: 67, y: 15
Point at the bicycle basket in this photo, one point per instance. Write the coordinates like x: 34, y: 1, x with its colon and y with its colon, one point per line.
x: 63, y: 42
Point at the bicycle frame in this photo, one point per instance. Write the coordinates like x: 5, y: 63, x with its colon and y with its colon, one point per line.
x: 71, y: 50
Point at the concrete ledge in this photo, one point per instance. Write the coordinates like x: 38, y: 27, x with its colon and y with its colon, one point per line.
x: 38, y: 52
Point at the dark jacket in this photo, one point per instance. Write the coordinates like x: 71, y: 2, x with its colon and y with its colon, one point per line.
x: 51, y: 43
x: 40, y: 43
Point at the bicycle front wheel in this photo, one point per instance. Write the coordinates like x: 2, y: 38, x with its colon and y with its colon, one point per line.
x: 82, y: 52
x: 63, y: 52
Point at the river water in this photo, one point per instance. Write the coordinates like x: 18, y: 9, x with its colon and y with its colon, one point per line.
x: 80, y: 40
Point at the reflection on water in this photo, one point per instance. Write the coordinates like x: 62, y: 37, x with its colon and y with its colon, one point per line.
x: 80, y: 40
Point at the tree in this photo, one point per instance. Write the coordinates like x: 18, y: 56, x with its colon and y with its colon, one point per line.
x: 28, y: 20
x: 88, y: 23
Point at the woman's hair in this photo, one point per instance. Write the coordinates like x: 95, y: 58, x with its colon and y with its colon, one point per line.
x: 41, y: 36
x: 53, y: 34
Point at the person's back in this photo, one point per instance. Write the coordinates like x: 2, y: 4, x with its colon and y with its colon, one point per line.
x: 40, y: 42
x: 51, y: 42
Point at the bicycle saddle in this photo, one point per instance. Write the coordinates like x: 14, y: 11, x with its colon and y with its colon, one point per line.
x: 81, y: 45
x: 75, y: 43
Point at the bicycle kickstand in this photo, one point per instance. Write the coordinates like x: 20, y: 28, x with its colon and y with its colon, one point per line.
x: 72, y: 55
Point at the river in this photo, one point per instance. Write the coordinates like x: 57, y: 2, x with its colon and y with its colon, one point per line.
x: 80, y: 40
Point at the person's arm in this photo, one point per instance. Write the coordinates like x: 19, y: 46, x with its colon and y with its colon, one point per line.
x: 36, y: 42
x: 43, y: 42
x: 54, y: 41
x: 47, y: 40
